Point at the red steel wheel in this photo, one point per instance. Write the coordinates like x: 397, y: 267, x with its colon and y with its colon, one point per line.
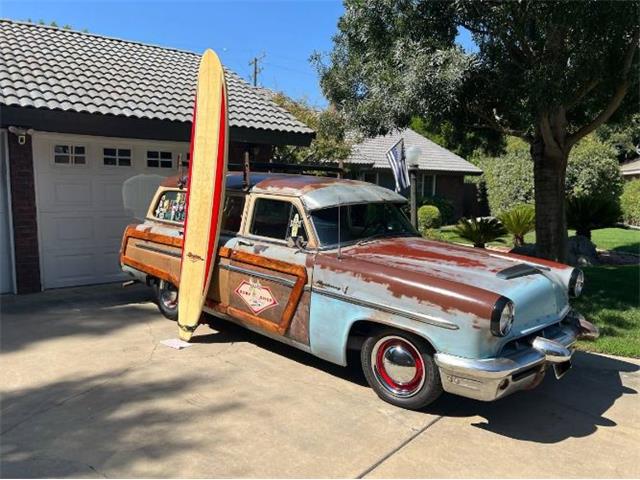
x: 400, y: 368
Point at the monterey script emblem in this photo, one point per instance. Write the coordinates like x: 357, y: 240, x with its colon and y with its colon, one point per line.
x: 257, y: 297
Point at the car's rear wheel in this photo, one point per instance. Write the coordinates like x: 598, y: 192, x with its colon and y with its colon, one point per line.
x: 399, y: 366
x: 167, y: 298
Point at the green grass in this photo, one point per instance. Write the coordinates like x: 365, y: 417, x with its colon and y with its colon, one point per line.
x: 611, y: 300
x: 618, y: 239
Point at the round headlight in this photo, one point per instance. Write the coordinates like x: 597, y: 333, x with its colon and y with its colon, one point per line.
x: 576, y: 282
x: 502, y: 317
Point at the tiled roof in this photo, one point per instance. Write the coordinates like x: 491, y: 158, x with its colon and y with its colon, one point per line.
x: 373, y: 151
x: 631, y: 168
x: 53, y: 68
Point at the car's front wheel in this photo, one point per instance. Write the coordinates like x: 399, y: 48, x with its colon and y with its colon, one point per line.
x: 399, y: 366
x: 167, y: 298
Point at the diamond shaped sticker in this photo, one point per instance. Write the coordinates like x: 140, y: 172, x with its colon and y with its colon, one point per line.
x: 257, y: 297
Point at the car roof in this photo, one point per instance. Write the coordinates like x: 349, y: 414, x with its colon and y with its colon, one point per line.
x: 315, y: 192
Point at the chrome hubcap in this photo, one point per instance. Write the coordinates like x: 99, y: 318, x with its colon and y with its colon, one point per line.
x: 168, y: 295
x: 398, y: 366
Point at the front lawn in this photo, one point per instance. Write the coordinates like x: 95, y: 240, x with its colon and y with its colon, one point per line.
x: 611, y: 300
x: 617, y: 239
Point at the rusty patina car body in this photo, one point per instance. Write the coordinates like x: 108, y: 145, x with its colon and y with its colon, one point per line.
x: 326, y: 265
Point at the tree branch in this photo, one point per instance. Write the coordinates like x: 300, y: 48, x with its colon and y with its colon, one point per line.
x: 493, y: 124
x: 582, y: 92
x: 616, y: 98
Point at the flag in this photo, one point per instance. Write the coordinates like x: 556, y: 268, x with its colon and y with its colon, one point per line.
x: 398, y: 163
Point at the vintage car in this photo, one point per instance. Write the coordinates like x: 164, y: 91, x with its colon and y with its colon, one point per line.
x: 327, y: 265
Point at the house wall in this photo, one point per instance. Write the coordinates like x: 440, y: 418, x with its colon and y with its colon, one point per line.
x: 23, y: 207
x: 451, y: 187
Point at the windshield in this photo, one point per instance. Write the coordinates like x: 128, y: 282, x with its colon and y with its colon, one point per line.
x: 360, y: 222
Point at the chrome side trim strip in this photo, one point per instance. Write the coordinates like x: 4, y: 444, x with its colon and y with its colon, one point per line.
x: 264, y: 276
x: 420, y: 317
x: 159, y: 250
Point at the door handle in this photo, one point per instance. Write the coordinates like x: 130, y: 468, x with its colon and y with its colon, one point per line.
x: 246, y: 243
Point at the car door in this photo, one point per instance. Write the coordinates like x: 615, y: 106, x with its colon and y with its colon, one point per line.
x: 269, y: 269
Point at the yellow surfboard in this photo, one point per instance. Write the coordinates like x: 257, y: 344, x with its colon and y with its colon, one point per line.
x: 205, y: 192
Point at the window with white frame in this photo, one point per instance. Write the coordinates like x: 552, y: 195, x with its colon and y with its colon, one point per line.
x: 69, y: 155
x: 159, y: 159
x: 117, y: 157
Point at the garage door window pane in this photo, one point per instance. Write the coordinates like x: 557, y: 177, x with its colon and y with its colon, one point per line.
x: 171, y: 207
x: 69, y: 155
x: 158, y: 159
x: 117, y: 157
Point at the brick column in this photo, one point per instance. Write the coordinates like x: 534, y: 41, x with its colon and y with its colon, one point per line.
x: 23, y: 207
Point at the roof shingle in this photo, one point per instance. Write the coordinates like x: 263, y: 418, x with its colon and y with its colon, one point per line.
x: 48, y: 67
x: 433, y: 157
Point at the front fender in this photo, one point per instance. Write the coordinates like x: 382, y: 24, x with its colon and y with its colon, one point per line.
x: 331, y: 319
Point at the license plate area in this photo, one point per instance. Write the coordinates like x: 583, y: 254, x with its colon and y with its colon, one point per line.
x: 560, y: 369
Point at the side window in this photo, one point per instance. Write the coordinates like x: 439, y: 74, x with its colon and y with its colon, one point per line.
x: 232, y: 213
x: 277, y: 219
x: 171, y: 206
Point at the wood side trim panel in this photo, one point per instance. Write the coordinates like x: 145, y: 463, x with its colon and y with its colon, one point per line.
x: 289, y: 311
x: 156, y: 272
x: 132, y: 232
x: 277, y: 266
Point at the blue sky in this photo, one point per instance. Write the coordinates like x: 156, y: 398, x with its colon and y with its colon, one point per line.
x: 286, y: 32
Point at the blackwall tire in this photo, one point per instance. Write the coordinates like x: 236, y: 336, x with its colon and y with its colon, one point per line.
x: 399, y: 367
x: 167, y: 299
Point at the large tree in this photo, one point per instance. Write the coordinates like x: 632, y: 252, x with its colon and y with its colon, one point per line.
x: 549, y: 72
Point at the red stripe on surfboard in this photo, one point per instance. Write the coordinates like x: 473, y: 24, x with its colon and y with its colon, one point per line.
x: 186, y: 207
x: 217, y: 192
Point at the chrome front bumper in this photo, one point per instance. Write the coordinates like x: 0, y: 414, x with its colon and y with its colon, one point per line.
x: 492, y: 378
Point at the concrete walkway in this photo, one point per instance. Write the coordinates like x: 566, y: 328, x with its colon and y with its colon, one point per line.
x: 87, y: 391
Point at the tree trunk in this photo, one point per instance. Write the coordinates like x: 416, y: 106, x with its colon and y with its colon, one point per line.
x: 550, y: 166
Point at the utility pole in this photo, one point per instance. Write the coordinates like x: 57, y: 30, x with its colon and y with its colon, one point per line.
x: 256, y: 68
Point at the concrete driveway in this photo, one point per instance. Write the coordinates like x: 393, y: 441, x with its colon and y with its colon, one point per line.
x: 87, y: 391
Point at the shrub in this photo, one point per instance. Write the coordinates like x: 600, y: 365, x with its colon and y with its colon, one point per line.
x: 444, y: 206
x: 433, y: 234
x: 429, y: 217
x: 508, y: 179
x: 586, y: 213
x: 519, y: 221
x: 630, y: 202
x: 480, y: 230
x: 593, y: 171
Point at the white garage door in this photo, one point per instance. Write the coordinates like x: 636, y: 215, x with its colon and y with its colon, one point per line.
x: 6, y: 264
x: 81, y: 215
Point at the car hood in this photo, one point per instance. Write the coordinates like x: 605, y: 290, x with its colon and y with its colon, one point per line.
x: 462, y: 277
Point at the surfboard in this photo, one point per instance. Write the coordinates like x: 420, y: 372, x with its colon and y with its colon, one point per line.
x: 205, y: 192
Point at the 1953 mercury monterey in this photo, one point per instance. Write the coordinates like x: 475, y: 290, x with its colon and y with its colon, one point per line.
x: 327, y: 265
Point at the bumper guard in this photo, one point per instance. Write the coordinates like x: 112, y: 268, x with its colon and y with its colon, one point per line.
x: 492, y: 378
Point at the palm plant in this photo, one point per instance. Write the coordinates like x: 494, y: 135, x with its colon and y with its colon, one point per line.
x: 590, y: 213
x: 519, y: 221
x: 480, y: 230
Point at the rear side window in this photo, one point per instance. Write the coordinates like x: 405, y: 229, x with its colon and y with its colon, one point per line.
x: 232, y: 213
x: 277, y: 219
x: 171, y: 206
